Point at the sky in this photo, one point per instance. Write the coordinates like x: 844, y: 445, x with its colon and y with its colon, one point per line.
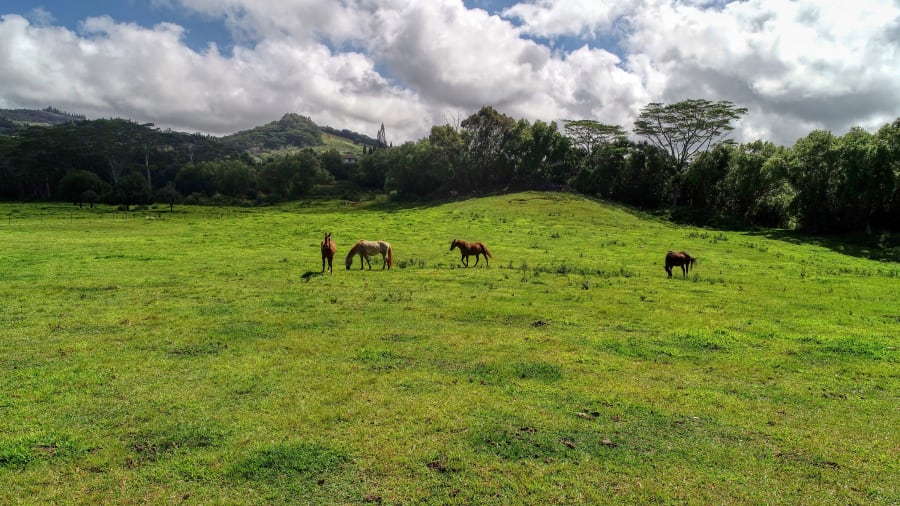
x: 222, y: 66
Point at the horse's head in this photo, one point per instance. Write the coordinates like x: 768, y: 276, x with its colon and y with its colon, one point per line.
x: 454, y: 244
x: 327, y: 237
x: 349, y: 260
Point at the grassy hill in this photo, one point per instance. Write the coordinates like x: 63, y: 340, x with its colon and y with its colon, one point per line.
x: 339, y: 144
x: 201, y: 357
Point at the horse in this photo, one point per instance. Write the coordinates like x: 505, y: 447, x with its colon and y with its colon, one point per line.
x: 471, y: 248
x: 328, y: 249
x: 680, y: 259
x: 366, y: 248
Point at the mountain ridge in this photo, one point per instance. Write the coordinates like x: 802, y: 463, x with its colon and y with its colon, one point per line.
x: 292, y: 130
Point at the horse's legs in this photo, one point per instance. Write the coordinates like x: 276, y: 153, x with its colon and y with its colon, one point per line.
x: 330, y: 267
x: 477, y: 256
x: 465, y: 260
x: 668, y: 271
x: 369, y: 262
x: 683, y: 272
x: 383, y: 261
x: 323, y: 263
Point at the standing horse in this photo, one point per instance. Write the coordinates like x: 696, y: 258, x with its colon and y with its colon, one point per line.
x: 680, y: 259
x: 328, y: 249
x: 366, y: 248
x: 468, y: 249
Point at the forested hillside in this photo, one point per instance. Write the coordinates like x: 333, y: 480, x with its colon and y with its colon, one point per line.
x: 677, y: 159
x: 122, y: 162
x: 292, y: 130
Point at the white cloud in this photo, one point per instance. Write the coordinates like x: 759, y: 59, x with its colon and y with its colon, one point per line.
x: 115, y: 69
x: 354, y: 64
x: 41, y: 16
x: 796, y: 64
x: 550, y: 18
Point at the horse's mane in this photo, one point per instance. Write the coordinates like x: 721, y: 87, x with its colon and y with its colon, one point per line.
x: 354, y: 249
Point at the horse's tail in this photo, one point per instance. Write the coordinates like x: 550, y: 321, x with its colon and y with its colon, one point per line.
x: 390, y: 256
x: 486, y: 252
x: 693, y: 261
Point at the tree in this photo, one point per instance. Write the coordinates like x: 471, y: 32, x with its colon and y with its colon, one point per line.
x: 866, y: 179
x: 195, y: 178
x: 541, y: 154
x: 74, y: 186
x: 233, y: 178
x: 704, y: 177
x: 485, y: 135
x: 600, y: 151
x: 773, y: 206
x: 147, y: 141
x: 686, y: 128
x: 814, y: 174
x: 742, y: 185
x: 447, y: 154
x: 413, y: 171
x: 169, y: 195
x: 643, y: 177
x: 333, y: 163
x: 589, y: 135
x: 132, y: 189
x: 889, y: 138
x: 291, y: 176
x: 372, y: 169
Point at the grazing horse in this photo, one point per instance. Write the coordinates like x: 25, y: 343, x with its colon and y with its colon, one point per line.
x: 468, y: 249
x: 680, y: 259
x: 328, y: 249
x: 366, y: 248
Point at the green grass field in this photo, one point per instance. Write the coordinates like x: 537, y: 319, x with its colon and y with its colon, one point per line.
x: 199, y: 357
x: 339, y: 144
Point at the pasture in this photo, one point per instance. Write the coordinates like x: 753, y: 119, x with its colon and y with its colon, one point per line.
x: 201, y: 357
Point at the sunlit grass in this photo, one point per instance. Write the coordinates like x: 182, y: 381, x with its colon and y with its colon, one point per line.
x: 199, y: 356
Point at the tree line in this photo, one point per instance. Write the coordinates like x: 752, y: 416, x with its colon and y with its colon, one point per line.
x: 678, y: 159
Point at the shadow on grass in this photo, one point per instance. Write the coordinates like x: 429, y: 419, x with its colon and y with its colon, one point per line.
x: 878, y: 245
x: 881, y: 246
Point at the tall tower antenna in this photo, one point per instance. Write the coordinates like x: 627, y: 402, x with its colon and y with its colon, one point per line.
x: 382, y: 139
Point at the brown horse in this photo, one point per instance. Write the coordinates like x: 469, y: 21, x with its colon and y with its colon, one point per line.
x: 468, y: 249
x: 680, y: 259
x: 328, y: 249
x: 367, y: 248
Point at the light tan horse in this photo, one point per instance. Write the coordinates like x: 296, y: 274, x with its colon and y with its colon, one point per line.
x: 328, y: 249
x: 367, y: 248
x: 471, y: 248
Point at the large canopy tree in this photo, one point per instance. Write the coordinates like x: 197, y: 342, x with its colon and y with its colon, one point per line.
x: 600, y: 154
x: 686, y: 128
x: 590, y: 135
